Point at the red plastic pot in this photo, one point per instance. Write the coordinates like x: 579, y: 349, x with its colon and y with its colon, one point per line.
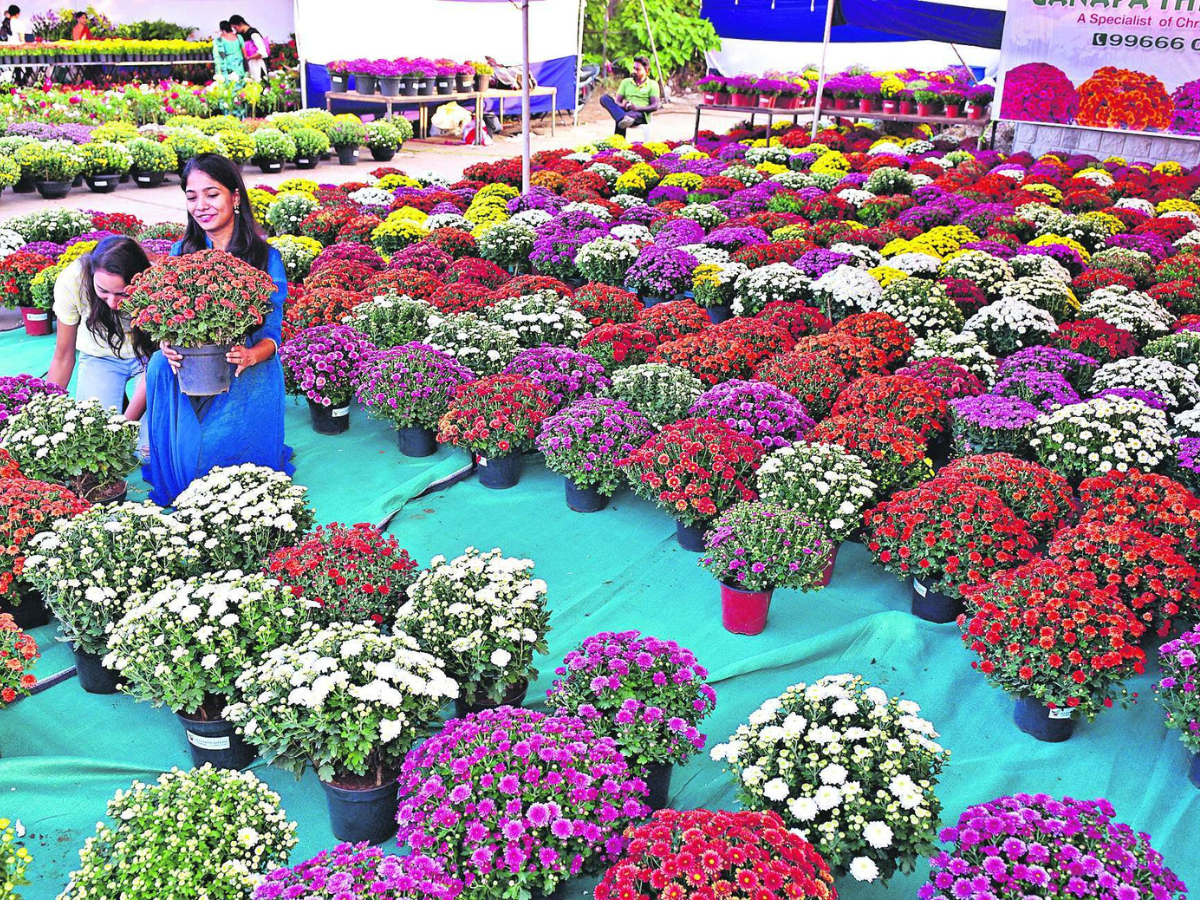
x: 38, y: 322
x: 866, y: 104
x: 766, y: 101
x: 974, y: 113
x: 827, y: 575
x: 841, y: 102
x: 723, y: 98
x: 710, y: 98
x: 952, y: 110
x: 744, y: 100
x: 889, y: 106
x: 905, y: 107
x: 744, y: 612
x: 788, y: 101
x: 923, y: 109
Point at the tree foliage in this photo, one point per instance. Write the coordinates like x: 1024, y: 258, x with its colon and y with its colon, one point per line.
x: 680, y: 35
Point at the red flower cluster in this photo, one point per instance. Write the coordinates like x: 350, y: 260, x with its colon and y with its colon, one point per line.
x: 672, y: 320
x: 900, y: 399
x: 812, y: 378
x: 604, y: 304
x: 620, y: 344
x: 18, y: 653
x: 464, y: 296
x: 755, y: 256
x: 17, y: 271
x: 895, y: 453
x: 320, y: 306
x: 354, y: 573
x: 326, y: 224
x: 27, y: 508
x: 476, y: 271
x: 709, y: 355
x: 1094, y: 279
x: 1150, y: 575
x: 707, y: 855
x: 343, y: 274
x: 763, y: 338
x: 884, y: 332
x: 1096, y: 338
x: 531, y: 284
x: 455, y: 241
x: 1182, y: 296
x: 209, y: 297
x: 404, y: 282
x: 1046, y: 631
x: 1159, y: 504
x: 119, y: 222
x: 1039, y: 496
x: 695, y: 468
x: 948, y: 532
x: 495, y: 416
x: 797, y: 320
x: 856, y: 355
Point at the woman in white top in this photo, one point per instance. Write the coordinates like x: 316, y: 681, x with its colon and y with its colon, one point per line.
x: 257, y: 49
x: 87, y: 298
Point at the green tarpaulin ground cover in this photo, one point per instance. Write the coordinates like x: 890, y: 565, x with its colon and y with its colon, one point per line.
x: 63, y: 753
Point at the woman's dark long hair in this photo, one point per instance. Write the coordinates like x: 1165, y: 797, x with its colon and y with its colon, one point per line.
x: 125, y: 258
x: 248, y: 243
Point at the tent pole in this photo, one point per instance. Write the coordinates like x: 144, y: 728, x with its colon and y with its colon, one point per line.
x: 300, y: 55
x: 954, y: 47
x: 662, y: 81
x: 525, y: 95
x: 579, y: 58
x: 821, y: 77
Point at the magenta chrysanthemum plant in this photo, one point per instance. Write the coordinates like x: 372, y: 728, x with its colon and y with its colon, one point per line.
x: 323, y: 362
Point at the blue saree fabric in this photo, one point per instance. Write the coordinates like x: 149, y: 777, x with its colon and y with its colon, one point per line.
x: 244, y: 425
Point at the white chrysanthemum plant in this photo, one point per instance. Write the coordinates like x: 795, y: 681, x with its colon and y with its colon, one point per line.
x: 246, y: 512
x: 845, y: 290
x: 97, y: 566
x: 1099, y: 435
x: 344, y: 699
x: 188, y: 643
x: 826, y: 483
x: 485, y: 615
x: 853, y: 771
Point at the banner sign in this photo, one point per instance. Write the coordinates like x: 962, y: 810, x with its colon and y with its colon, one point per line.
x: 1128, y: 65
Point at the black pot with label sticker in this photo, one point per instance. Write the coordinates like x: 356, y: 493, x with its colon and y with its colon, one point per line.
x: 329, y: 419
x: 215, y: 741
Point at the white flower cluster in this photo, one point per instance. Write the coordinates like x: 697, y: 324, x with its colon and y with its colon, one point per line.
x: 540, y: 318
x: 95, y: 567
x: 985, y: 271
x: 534, y: 218
x: 633, y: 233
x: 10, y: 242
x: 1134, y: 311
x: 605, y: 259
x: 853, y: 771
x: 846, y: 290
x: 592, y: 209
x: 1186, y: 423
x: 717, y: 256
x: 661, y: 392
x: 766, y: 284
x: 447, y: 220
x: 854, y: 196
x: 826, y: 483
x: 189, y: 641
x: 246, y: 512
x: 334, y: 691
x: 704, y: 214
x: 1010, y: 324
x: 391, y: 320
x: 966, y: 349
x: 373, y: 196
x: 507, y: 243
x: 1048, y: 294
x: 920, y: 264
x: 483, y: 347
x: 203, y: 833
x: 1032, y: 265
x: 865, y: 257
x: 1101, y: 434
x: 484, y: 614
x: 1175, y: 384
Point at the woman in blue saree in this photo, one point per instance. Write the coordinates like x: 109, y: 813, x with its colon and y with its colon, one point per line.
x: 188, y: 436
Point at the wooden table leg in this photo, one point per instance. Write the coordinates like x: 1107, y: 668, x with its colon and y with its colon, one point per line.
x: 553, y: 108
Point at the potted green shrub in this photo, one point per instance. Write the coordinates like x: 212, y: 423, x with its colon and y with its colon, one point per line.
x: 186, y: 645
x: 150, y: 162
x: 189, y: 142
x: 311, y: 145
x: 346, y: 135
x: 237, y: 146
x: 104, y: 162
x: 51, y: 165
x: 383, y: 138
x: 10, y: 172
x: 272, y: 148
x: 352, y: 721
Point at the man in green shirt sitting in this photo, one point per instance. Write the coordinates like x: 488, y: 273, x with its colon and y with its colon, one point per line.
x: 636, y: 99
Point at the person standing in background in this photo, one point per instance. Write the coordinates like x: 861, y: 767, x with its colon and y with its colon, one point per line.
x: 228, y: 53
x: 257, y: 49
x: 8, y: 28
x: 82, y: 30
x: 636, y: 99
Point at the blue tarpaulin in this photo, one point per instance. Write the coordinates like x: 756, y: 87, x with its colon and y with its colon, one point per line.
x: 867, y: 21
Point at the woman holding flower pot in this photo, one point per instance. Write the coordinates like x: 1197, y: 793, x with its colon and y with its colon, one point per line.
x: 190, y: 434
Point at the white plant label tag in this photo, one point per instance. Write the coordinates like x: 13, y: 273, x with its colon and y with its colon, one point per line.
x: 1060, y: 714
x: 482, y: 460
x: 920, y: 588
x: 339, y: 411
x: 208, y: 743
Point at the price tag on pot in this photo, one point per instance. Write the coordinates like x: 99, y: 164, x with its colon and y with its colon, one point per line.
x: 482, y: 460
x: 920, y: 588
x: 339, y: 411
x: 1060, y: 714
x: 37, y: 317
x: 208, y: 743
x: 142, y: 179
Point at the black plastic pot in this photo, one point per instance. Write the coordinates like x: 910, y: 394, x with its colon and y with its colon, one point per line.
x: 30, y: 613
x: 364, y: 84
x: 425, y: 86
x: 24, y: 185
x: 465, y: 83
x: 389, y: 86
x: 149, y: 179
x: 77, y: 181
x: 499, y: 472
x: 380, y: 154
x: 719, y: 314
x: 306, y: 162
x: 102, y: 184
x: 1039, y: 721
x: 215, y: 741
x: 362, y: 815
x: 417, y: 442
x: 446, y: 85
x: 347, y: 155
x: 1194, y: 770
x: 514, y: 696
x: 658, y: 780
x: 204, y: 371
x: 329, y: 419
x: 270, y: 166
x: 339, y: 83
x: 409, y: 85
x: 584, y: 500
x: 94, y: 676
x: 53, y: 190
x: 690, y: 537
x: 934, y: 606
